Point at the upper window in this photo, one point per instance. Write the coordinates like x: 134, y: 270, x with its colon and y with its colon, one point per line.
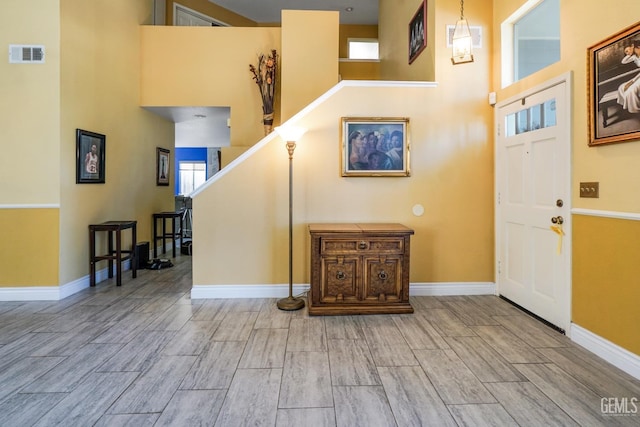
x: 529, y: 119
x: 530, y: 39
x: 363, y: 49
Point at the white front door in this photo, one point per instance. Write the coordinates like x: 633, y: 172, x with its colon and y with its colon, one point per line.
x: 533, y: 184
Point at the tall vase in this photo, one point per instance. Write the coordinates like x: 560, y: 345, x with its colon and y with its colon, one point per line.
x: 267, y: 121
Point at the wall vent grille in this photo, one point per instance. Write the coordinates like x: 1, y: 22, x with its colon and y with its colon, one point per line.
x: 20, y: 54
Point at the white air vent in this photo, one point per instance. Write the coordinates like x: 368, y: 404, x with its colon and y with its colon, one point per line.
x: 26, y: 54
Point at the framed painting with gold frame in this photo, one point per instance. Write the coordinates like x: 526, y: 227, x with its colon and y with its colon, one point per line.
x: 374, y: 146
x: 614, y: 88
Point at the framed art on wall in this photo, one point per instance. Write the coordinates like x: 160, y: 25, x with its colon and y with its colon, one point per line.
x: 162, y: 166
x: 418, y: 32
x: 374, y: 146
x: 614, y: 88
x: 90, y: 157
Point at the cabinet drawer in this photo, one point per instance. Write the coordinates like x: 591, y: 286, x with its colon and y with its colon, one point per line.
x: 362, y: 245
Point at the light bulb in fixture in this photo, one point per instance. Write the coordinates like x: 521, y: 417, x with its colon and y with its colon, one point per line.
x: 462, y: 41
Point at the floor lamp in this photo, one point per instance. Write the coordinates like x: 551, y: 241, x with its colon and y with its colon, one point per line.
x: 290, y: 134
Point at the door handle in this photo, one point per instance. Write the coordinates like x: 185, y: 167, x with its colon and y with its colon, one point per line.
x: 557, y: 219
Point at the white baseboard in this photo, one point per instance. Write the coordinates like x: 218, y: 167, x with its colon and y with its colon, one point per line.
x: 281, y: 291
x: 245, y: 291
x: 55, y: 293
x: 452, y: 288
x: 612, y: 353
x: 30, y: 293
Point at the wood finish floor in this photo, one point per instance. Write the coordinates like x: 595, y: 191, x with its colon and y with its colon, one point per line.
x: 144, y: 354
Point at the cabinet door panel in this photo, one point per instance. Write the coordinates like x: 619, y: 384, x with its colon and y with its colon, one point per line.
x: 340, y: 277
x: 382, y: 278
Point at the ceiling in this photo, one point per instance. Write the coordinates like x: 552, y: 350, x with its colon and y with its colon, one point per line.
x: 364, y: 12
x: 198, y: 126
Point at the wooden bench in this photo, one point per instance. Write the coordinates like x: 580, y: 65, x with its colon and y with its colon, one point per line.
x: 607, y: 100
x: 610, y: 98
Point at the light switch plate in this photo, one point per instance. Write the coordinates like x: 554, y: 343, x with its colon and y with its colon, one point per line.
x: 590, y: 189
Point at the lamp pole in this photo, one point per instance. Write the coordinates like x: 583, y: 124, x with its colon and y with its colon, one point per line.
x: 290, y: 303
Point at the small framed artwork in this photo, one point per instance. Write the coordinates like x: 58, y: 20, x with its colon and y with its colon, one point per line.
x: 90, y: 157
x: 614, y: 88
x: 375, y: 146
x: 162, y: 166
x: 417, y: 32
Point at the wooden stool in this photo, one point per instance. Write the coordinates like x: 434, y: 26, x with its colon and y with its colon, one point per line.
x: 173, y: 235
x: 112, y: 227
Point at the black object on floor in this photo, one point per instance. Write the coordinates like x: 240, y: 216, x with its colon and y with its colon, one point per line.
x: 159, y: 264
x: 186, y: 247
x: 142, y: 254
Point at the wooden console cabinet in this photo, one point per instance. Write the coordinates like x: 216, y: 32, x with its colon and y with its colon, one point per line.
x: 359, y: 269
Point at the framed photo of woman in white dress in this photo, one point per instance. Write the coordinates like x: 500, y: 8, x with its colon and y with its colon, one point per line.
x: 614, y: 88
x: 90, y: 157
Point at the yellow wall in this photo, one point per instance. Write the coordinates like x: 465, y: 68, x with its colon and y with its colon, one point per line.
x: 90, y: 80
x: 583, y: 24
x: 100, y: 92
x: 309, y: 57
x: 29, y: 123
x: 605, y: 287
x: 30, y: 141
x: 357, y: 70
x: 29, y: 255
x: 199, y: 66
x: 452, y: 177
x: 605, y: 279
x: 393, y: 33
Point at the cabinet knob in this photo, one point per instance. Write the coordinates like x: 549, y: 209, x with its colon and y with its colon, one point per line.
x: 362, y: 245
x: 340, y: 275
x: 383, y: 275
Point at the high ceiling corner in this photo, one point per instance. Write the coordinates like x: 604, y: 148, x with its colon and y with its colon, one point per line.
x: 356, y: 12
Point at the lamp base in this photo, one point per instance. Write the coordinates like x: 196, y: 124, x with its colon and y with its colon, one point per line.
x: 290, y: 304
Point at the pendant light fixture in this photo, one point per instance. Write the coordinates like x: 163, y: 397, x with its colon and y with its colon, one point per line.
x: 461, y: 40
